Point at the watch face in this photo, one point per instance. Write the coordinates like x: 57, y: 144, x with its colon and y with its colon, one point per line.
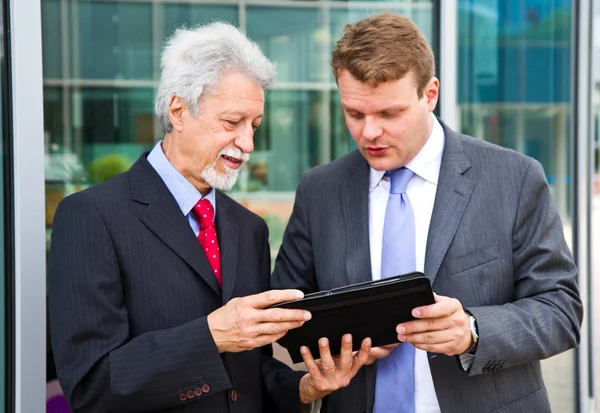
x: 473, y: 328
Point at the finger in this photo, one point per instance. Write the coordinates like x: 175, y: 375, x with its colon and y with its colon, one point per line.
x: 443, y: 307
x: 380, y: 352
x: 362, y: 356
x: 370, y: 360
x: 264, y: 340
x: 449, y: 348
x: 327, y: 362
x: 278, y: 315
x: 309, y: 362
x: 271, y: 297
x: 432, y: 338
x: 270, y: 329
x: 345, y: 358
x: 389, y: 347
x: 424, y: 325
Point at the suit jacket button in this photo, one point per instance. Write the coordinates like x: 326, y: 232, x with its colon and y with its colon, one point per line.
x: 205, y: 388
x: 234, y: 395
x: 190, y: 394
x: 198, y: 391
x: 182, y: 397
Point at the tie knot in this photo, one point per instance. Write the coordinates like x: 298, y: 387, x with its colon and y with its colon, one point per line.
x: 205, y: 213
x: 399, y: 179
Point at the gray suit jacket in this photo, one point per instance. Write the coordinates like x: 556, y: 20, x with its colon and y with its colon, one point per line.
x: 495, y: 243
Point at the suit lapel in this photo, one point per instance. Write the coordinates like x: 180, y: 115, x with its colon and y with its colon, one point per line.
x: 228, y: 235
x: 453, y: 193
x: 354, y: 193
x: 163, y: 217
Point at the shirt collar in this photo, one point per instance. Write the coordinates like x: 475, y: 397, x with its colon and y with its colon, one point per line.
x: 183, y: 191
x: 426, y: 164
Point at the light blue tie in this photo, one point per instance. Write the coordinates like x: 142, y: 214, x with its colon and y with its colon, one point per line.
x: 395, y: 383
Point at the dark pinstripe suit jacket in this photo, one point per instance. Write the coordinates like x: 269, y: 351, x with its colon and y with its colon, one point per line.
x: 129, y: 292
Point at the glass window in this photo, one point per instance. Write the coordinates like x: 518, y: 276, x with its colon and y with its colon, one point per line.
x: 52, y: 39
x: 110, y: 40
x: 294, y: 38
x: 514, y: 83
x: 179, y: 15
x: 101, y: 68
x: 109, y: 129
x: 341, y: 140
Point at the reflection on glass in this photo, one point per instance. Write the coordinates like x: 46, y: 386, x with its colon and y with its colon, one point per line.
x: 54, y: 128
x: 111, y: 40
x: 293, y: 38
x: 190, y: 15
x: 514, y: 90
x: 286, y: 145
x: 51, y: 41
x: 341, y: 140
x: 112, y: 146
x: 101, y: 61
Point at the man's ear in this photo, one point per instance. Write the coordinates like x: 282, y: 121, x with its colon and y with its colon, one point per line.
x: 176, y: 108
x: 431, y: 92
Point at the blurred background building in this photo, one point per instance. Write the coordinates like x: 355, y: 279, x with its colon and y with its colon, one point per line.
x: 77, y: 83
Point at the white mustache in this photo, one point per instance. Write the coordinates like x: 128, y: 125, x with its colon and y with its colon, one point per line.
x: 236, y: 153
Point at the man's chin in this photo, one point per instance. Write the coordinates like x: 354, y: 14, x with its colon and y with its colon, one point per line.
x: 219, y: 180
x: 380, y: 163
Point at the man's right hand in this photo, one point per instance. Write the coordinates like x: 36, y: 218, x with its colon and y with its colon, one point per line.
x: 247, y: 323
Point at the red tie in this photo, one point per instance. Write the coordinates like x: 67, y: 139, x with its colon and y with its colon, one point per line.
x: 208, y: 236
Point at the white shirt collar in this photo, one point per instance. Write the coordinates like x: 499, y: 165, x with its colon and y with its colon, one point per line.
x: 426, y: 164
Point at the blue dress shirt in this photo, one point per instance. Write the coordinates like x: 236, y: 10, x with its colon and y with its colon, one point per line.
x: 183, y: 191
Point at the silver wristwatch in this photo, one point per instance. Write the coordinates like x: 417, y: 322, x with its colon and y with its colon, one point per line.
x: 474, y: 335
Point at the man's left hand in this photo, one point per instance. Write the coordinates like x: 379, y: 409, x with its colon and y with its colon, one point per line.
x: 331, y: 373
x: 442, y: 327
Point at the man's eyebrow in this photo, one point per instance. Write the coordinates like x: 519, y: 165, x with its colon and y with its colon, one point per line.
x: 346, y: 108
x: 394, y: 108
x: 238, y: 113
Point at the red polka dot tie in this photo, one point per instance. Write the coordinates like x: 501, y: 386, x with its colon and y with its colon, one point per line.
x: 208, y: 236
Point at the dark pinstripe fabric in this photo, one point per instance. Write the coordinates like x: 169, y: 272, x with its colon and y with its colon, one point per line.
x: 129, y: 292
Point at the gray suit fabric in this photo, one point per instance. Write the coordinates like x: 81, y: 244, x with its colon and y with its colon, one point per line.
x: 495, y: 243
x: 129, y: 292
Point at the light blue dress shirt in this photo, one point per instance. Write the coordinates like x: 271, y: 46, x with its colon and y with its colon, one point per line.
x: 184, y: 192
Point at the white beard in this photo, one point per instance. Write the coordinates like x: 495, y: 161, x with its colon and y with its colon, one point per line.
x: 223, y: 182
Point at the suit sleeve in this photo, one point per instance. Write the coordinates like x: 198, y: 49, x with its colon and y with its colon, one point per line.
x: 294, y: 266
x: 281, y: 384
x: 99, y: 367
x: 546, y: 314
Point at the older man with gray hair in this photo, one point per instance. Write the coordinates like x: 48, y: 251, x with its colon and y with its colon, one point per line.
x: 159, y: 282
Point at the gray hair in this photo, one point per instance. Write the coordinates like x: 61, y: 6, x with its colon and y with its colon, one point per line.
x: 194, y: 60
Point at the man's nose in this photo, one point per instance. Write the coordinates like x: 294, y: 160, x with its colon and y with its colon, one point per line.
x: 245, y: 141
x: 371, y: 130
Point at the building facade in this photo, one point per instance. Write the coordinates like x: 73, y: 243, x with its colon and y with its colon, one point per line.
x: 77, y: 84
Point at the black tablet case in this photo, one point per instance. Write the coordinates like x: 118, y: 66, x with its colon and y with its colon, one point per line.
x: 370, y: 309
